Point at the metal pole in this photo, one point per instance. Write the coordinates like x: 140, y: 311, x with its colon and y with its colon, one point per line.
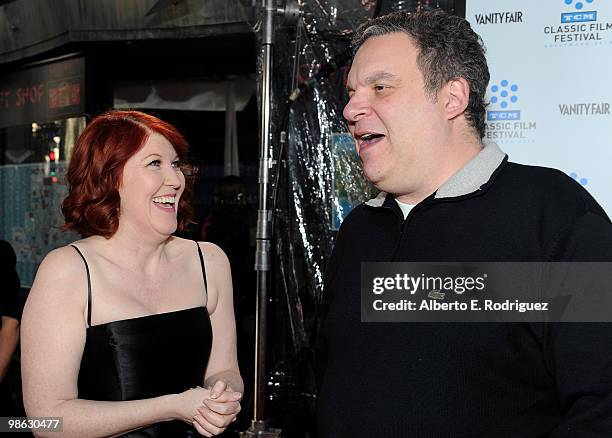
x: 263, y: 257
x: 263, y: 237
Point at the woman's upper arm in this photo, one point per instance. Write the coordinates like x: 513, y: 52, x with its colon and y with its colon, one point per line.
x: 53, y: 332
x: 221, y: 308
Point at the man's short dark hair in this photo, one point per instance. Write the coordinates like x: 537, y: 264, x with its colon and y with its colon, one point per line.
x: 448, y: 49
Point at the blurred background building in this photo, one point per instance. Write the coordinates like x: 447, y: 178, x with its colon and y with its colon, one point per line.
x: 62, y: 62
x: 65, y: 61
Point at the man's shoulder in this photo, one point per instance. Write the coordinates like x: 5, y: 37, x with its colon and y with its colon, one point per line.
x: 543, y: 177
x: 360, y: 223
x: 548, y: 188
x: 358, y: 214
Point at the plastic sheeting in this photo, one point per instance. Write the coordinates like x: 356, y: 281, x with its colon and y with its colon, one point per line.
x: 320, y: 180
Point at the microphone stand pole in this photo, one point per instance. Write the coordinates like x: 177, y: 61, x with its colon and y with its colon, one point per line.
x: 263, y: 256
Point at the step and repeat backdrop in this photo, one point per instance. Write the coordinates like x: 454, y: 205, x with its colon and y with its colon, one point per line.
x: 550, y: 91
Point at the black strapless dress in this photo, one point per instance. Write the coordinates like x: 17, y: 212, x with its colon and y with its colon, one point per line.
x: 147, y: 357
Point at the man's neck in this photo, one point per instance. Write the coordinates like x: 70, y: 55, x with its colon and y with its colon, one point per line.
x: 458, y: 154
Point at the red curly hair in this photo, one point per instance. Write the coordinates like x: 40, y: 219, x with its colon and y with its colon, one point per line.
x: 95, y: 171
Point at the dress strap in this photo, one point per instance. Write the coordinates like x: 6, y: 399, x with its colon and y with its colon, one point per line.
x: 88, y: 287
x: 203, y: 268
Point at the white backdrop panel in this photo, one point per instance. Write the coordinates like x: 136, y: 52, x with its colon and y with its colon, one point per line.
x: 554, y: 57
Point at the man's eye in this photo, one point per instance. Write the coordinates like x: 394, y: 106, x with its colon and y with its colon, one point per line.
x: 380, y: 87
x: 155, y: 163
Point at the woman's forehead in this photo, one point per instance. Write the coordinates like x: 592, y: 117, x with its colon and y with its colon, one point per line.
x: 156, y: 144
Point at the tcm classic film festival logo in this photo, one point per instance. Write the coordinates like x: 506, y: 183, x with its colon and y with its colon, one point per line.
x: 580, y: 25
x: 504, y: 124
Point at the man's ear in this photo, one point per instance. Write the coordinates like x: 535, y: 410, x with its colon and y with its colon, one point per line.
x: 457, y: 97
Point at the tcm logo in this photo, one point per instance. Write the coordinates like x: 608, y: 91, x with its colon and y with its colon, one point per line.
x: 582, y: 181
x: 504, y: 95
x: 578, y: 16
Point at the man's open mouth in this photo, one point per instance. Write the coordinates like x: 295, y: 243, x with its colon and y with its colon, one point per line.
x: 369, y: 138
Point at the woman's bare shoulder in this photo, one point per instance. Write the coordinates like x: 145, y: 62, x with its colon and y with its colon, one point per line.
x: 62, y: 271
x: 61, y: 263
x: 214, y: 255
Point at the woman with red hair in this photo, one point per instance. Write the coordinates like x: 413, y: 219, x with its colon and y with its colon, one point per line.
x: 130, y: 331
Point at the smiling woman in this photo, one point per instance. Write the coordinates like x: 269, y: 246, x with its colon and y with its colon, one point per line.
x: 124, y: 333
x: 96, y: 168
x: 152, y: 182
